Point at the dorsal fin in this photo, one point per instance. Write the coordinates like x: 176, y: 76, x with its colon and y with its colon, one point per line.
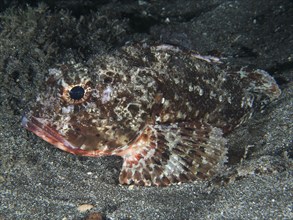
x: 165, y: 154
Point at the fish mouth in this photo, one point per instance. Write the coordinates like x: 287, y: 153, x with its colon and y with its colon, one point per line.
x: 39, y: 127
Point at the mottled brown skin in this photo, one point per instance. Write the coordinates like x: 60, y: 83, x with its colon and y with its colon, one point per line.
x: 160, y: 108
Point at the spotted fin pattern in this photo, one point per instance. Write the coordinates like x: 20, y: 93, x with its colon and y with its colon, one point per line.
x: 165, y: 154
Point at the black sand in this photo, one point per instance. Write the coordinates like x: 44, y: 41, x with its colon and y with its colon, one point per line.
x: 38, y: 181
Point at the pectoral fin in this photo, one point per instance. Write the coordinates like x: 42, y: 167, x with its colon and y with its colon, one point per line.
x: 165, y: 154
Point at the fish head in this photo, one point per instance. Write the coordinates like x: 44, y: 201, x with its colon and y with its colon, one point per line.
x: 86, y: 111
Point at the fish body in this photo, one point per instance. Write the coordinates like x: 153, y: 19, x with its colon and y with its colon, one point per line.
x: 165, y: 111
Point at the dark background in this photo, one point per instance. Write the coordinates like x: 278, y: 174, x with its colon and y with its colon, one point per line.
x: 38, y: 181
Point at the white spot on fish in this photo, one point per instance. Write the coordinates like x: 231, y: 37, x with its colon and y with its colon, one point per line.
x: 107, y: 94
x: 67, y: 109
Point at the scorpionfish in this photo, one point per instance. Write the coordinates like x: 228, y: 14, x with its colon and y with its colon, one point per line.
x: 164, y: 110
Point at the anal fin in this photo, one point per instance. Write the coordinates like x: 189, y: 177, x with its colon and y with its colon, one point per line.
x: 165, y: 154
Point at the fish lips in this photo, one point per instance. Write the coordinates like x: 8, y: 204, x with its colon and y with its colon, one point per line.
x: 40, y: 128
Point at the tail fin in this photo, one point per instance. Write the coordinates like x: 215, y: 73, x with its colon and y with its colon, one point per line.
x: 261, y: 82
x: 182, y: 152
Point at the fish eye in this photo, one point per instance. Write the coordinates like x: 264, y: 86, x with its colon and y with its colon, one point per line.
x: 76, y: 92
